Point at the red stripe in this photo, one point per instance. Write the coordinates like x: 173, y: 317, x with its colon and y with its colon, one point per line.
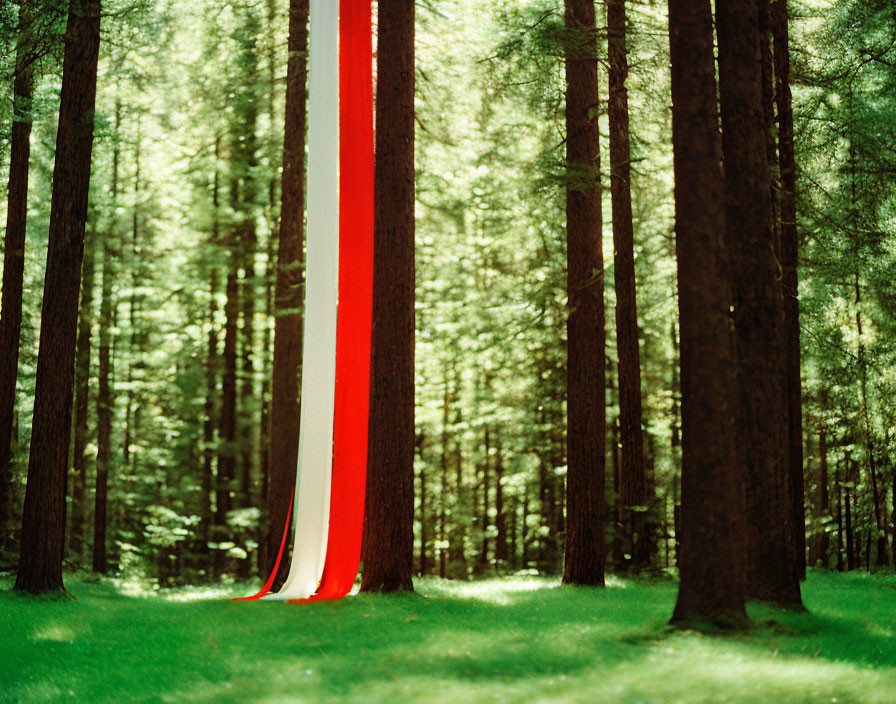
x: 355, y: 300
x: 267, y: 585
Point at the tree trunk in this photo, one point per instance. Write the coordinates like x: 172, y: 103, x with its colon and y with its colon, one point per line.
x: 772, y: 572
x: 822, y: 508
x: 389, y: 518
x: 847, y: 500
x: 104, y: 401
x: 709, y: 526
x: 208, y: 427
x: 14, y: 263
x: 43, y: 517
x: 227, y: 418
x: 289, y: 294
x: 82, y: 389
x: 105, y: 392
x: 501, y: 554
x: 789, y: 266
x: 586, y: 407
x: 633, y: 480
x: 838, y: 475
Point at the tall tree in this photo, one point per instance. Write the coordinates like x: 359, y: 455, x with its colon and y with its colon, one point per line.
x: 14, y: 257
x: 105, y: 392
x: 789, y: 265
x: 711, y: 526
x: 82, y: 392
x: 772, y: 574
x: 43, y: 518
x: 285, y: 411
x: 636, y: 535
x: 388, y: 546
x: 586, y: 406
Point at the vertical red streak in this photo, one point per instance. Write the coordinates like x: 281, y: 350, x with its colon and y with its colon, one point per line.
x: 267, y: 585
x: 355, y: 300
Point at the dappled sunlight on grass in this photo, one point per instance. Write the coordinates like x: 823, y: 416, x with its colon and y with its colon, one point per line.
x: 515, y: 639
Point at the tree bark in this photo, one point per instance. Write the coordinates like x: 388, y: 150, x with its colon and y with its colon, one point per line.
x: 104, y: 404
x: 227, y: 418
x: 105, y: 392
x: 632, y: 478
x: 82, y: 392
x: 388, y: 552
x: 710, y: 527
x: 43, y: 518
x: 823, y: 503
x: 772, y: 572
x: 586, y: 385
x: 789, y: 266
x: 14, y: 262
x: 289, y: 293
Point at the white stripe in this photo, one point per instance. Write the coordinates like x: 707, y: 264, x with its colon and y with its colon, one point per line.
x: 314, y: 473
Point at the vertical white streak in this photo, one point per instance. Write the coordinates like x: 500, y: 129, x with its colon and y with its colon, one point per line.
x: 314, y: 473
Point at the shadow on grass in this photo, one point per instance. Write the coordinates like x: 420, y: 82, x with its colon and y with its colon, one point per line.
x: 453, y: 641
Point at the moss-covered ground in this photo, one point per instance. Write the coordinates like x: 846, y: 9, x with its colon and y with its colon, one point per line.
x: 520, y: 639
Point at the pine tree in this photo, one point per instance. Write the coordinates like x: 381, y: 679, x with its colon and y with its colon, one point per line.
x: 388, y: 545
x: 43, y: 519
x: 586, y: 410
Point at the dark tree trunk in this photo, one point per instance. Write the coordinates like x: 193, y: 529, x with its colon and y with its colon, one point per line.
x: 389, y: 517
x: 424, y: 528
x: 633, y: 480
x: 501, y: 554
x: 772, y: 572
x: 105, y: 392
x: 838, y: 475
x: 847, y: 500
x: 443, y: 494
x: 104, y: 404
x: 227, y: 418
x: 586, y: 406
x: 284, y: 446
x: 82, y: 388
x: 822, y: 508
x: 14, y: 264
x: 709, y: 526
x: 43, y: 517
x: 789, y: 266
x: 208, y: 428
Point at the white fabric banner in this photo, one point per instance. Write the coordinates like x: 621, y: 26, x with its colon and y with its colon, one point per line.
x: 311, y: 506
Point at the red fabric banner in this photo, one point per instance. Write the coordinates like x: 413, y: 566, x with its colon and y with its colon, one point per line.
x: 355, y: 301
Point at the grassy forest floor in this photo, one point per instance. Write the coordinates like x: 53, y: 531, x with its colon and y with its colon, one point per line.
x: 517, y: 639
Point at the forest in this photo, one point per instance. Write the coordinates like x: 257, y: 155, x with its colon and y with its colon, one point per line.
x: 633, y: 351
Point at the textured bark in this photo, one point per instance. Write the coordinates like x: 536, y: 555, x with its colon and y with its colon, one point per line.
x: 772, y: 573
x: 388, y: 551
x: 284, y: 445
x: 43, y: 518
x: 636, y: 537
x: 709, y: 526
x: 586, y: 385
x: 789, y: 266
x: 82, y: 390
x: 14, y: 265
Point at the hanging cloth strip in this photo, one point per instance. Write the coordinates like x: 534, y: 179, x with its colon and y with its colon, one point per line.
x: 328, y: 503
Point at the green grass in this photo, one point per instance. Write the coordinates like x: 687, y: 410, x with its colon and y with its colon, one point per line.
x: 521, y: 639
